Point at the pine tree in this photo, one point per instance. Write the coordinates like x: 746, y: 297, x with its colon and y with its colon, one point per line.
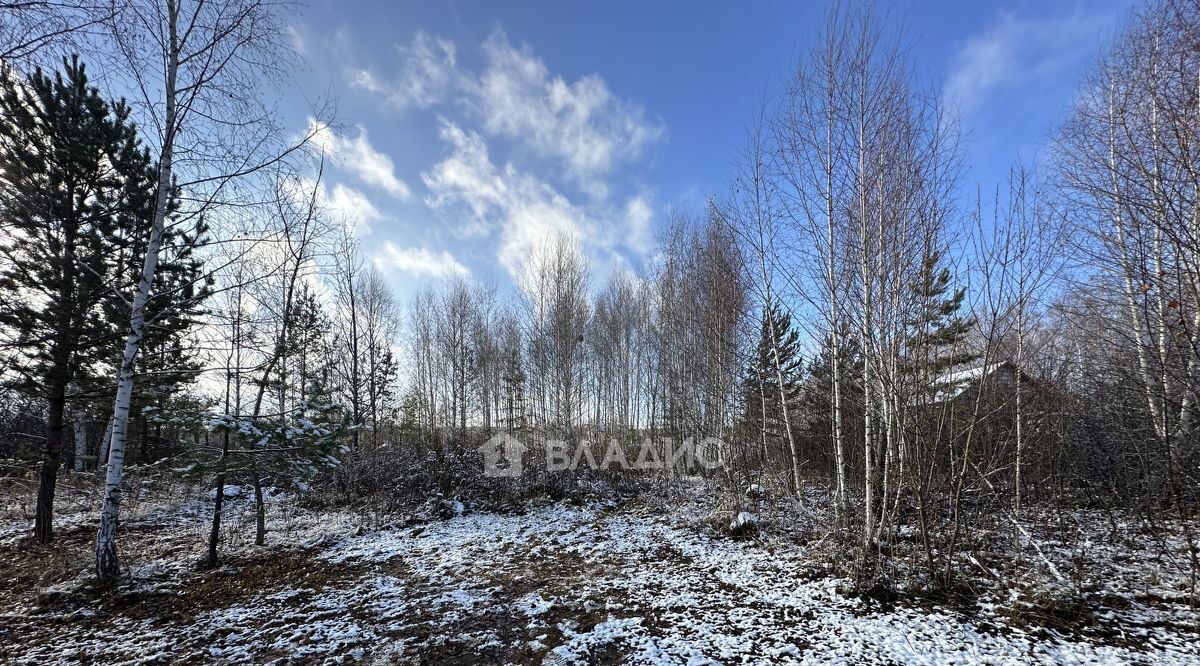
x: 288, y: 450
x: 760, y: 384
x: 513, y: 389
x: 937, y: 330
x: 816, y: 402
x: 381, y: 390
x: 72, y: 175
x: 167, y: 361
x: 307, y: 355
x: 410, y: 414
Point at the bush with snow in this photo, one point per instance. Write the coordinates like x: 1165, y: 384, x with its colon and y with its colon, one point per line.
x: 743, y: 524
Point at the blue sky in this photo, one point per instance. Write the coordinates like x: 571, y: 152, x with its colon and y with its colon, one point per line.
x: 469, y: 132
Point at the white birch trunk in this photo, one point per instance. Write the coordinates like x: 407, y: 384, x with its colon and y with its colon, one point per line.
x: 1020, y: 458
x: 1136, y: 322
x: 107, y: 565
x: 835, y: 338
x: 867, y: 346
x: 787, y: 419
x: 80, y: 427
x: 102, y: 459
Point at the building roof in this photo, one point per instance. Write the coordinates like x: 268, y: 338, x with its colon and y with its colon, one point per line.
x: 953, y: 384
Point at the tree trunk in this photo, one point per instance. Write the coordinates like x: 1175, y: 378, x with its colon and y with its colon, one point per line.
x: 43, y: 528
x: 59, y: 379
x: 787, y: 419
x: 260, y: 513
x: 355, y: 405
x: 214, y: 533
x: 1020, y: 454
x: 762, y: 425
x: 80, y: 440
x: 107, y: 566
x: 835, y: 332
x: 102, y: 459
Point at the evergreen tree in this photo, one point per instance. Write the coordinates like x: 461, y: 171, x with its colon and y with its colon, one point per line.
x: 760, y: 384
x: 72, y: 176
x: 410, y: 414
x: 167, y: 361
x: 513, y: 389
x: 307, y: 355
x: 383, y: 372
x: 816, y: 402
x: 936, y: 331
x: 287, y: 450
x: 169, y: 365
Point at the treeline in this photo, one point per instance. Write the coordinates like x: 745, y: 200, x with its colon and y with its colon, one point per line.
x: 840, y: 318
x: 568, y: 358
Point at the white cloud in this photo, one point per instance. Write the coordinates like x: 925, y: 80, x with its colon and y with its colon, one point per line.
x: 420, y: 261
x: 529, y: 228
x: 578, y: 133
x: 582, y: 124
x: 1016, y: 51
x: 342, y: 203
x: 360, y: 157
x: 299, y: 43
x: 351, y: 207
x: 467, y: 174
x: 638, y: 216
x: 523, y: 210
x: 425, y: 78
x: 361, y: 78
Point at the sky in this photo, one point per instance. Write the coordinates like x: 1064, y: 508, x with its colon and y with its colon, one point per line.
x: 466, y: 134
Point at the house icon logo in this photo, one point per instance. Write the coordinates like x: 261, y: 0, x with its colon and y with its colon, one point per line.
x: 502, y: 455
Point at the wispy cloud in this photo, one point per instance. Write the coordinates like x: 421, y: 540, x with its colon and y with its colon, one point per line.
x: 350, y: 207
x: 342, y: 203
x: 357, y: 155
x: 420, y: 261
x: 298, y: 40
x: 426, y: 76
x: 565, y: 141
x: 581, y: 124
x: 521, y: 209
x: 1017, y: 51
x: 638, y: 217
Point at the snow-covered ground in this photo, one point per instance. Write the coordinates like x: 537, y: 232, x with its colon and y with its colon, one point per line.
x: 558, y: 584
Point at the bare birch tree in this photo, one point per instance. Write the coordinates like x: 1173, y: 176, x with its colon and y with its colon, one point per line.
x: 197, y: 68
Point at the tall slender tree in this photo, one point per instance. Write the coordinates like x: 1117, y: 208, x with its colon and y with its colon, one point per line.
x: 776, y: 358
x: 199, y: 68
x: 72, y: 176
